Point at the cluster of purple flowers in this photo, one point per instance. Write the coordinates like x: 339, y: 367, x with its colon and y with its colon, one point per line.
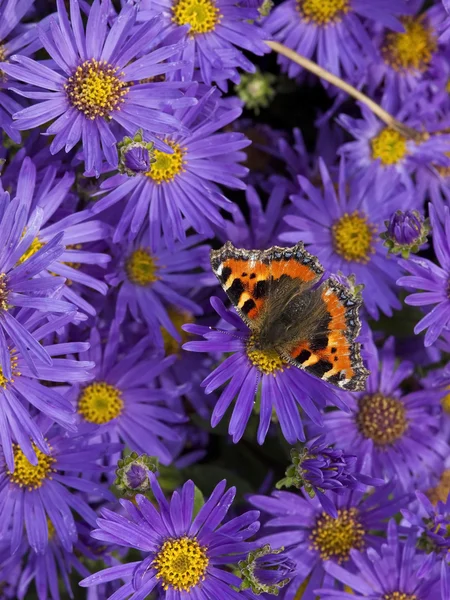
x: 149, y: 448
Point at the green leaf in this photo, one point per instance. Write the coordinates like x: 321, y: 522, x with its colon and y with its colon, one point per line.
x: 199, y: 501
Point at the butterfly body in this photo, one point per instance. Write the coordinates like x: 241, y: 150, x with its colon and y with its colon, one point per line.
x: 311, y: 325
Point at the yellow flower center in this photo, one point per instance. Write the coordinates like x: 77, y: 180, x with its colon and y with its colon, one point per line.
x: 100, y: 403
x: 178, y: 318
x: 166, y: 166
x: 323, y: 12
x: 399, y: 596
x: 96, y: 89
x: 27, y: 475
x: 201, y: 15
x: 181, y: 564
x: 141, y: 268
x: 411, y: 50
x: 389, y: 146
x: 3, y: 292
x: 266, y: 361
x: 381, y: 419
x: 35, y: 245
x: 442, y: 490
x: 334, y: 538
x: 353, y: 237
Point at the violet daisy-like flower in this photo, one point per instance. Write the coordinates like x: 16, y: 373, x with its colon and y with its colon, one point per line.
x: 404, y: 428
x: 182, y: 183
x: 333, y: 33
x: 320, y: 469
x: 34, y: 495
x: 218, y: 30
x: 310, y: 536
x: 13, y: 40
x: 390, y: 573
x: 283, y: 388
x: 122, y: 397
x: 431, y: 279
x: 27, y: 387
x: 184, y: 553
x: 48, y: 194
x: 150, y: 282
x: 408, y: 56
x: 96, y: 79
x: 391, y: 150
x: 341, y: 227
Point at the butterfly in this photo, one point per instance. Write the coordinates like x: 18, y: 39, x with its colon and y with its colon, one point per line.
x: 309, y: 323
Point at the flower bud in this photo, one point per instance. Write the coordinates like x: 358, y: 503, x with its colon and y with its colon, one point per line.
x: 135, y: 155
x: 405, y: 232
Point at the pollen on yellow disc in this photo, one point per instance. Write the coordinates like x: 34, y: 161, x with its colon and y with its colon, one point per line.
x: 4, y: 380
x: 3, y: 292
x: 181, y: 563
x: 411, y: 50
x: 201, y: 15
x: 353, y: 237
x: 27, y: 475
x: 389, y: 146
x: 268, y: 362
x: 35, y: 245
x: 399, y: 596
x: 382, y: 419
x: 100, y: 402
x: 95, y: 89
x: 323, y: 12
x: 167, y: 166
x: 334, y: 538
x: 141, y: 267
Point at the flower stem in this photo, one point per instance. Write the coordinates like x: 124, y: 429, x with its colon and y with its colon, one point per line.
x: 311, y: 66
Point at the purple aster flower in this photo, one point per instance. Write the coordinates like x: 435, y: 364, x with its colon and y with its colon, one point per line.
x: 283, y: 388
x: 404, y: 428
x: 392, y: 151
x: 27, y: 387
x: 24, y: 280
x: 431, y: 279
x: 122, y: 398
x: 341, y: 228
x: 184, y: 553
x: 95, y: 79
x: 332, y: 33
x: 217, y: 28
x: 48, y: 194
x: 149, y: 282
x: 391, y: 573
x: 310, y: 536
x: 49, y: 488
x: 13, y: 39
x: 182, y: 183
x: 321, y: 469
x: 407, y: 57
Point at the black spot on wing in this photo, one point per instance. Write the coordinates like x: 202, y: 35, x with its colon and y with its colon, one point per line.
x: 260, y: 289
x: 252, y: 275
x: 335, y: 379
x: 235, y: 290
x: 226, y: 272
x: 320, y: 368
x: 303, y: 356
x: 248, y: 305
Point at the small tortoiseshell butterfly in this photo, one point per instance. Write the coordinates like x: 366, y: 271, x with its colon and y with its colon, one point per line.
x: 277, y: 294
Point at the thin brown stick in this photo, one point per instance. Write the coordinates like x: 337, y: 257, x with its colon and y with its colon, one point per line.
x: 311, y: 66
